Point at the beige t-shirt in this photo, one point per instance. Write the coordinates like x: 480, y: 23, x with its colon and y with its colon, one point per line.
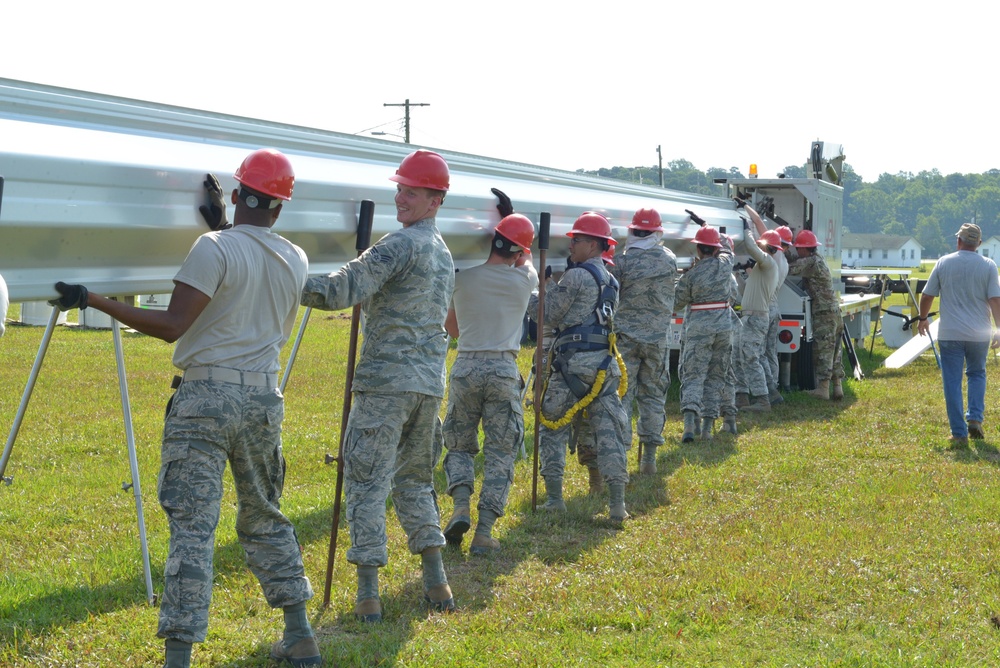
x: 255, y: 278
x: 489, y: 302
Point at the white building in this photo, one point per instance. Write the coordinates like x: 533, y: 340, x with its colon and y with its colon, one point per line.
x: 880, y: 250
x: 990, y: 248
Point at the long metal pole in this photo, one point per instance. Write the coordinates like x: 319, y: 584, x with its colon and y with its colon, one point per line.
x: 132, y: 459
x: 363, y: 240
x: 544, y: 222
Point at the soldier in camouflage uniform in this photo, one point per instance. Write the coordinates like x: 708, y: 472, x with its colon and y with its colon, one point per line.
x: 828, y: 325
x: 647, y: 273
x: 392, y: 438
x: 704, y: 290
x: 232, y: 309
x: 580, y: 308
x: 581, y: 437
x: 486, y: 317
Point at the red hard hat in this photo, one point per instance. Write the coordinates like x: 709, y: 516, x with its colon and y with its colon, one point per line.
x: 423, y: 169
x: 646, y: 219
x: 707, y: 236
x: 785, y: 233
x: 771, y: 238
x: 727, y: 242
x: 592, y: 224
x: 609, y: 256
x: 268, y: 172
x: 806, y: 239
x: 518, y: 230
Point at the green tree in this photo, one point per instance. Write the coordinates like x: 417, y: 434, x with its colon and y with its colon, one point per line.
x: 868, y: 210
x: 929, y: 235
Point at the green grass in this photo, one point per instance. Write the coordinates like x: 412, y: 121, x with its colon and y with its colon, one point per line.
x: 825, y: 534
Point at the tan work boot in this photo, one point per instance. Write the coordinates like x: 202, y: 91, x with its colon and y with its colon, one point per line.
x: 483, y: 544
x: 616, y: 505
x: 774, y: 397
x: 554, y: 494
x: 838, y: 389
x: 758, y: 405
x: 729, y: 424
x: 976, y: 430
x: 742, y: 399
x: 648, y: 464
x: 439, y: 599
x: 459, y: 524
x: 690, y: 418
x: 822, y: 390
x: 368, y: 610
x: 303, y: 653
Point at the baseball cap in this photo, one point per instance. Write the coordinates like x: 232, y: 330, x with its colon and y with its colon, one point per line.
x: 970, y: 233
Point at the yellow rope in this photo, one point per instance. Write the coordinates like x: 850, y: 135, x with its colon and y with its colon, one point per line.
x: 590, y: 396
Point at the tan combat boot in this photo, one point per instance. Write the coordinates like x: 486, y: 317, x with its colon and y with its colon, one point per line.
x: 822, y: 390
x: 596, y: 481
x: 838, y: 389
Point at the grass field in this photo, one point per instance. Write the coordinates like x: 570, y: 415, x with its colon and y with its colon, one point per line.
x: 825, y: 534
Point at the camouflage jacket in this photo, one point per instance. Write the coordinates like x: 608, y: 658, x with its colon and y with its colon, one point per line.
x: 648, y: 279
x: 816, y: 281
x: 404, y: 283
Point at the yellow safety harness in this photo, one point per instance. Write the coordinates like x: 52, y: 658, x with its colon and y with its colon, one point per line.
x: 590, y: 396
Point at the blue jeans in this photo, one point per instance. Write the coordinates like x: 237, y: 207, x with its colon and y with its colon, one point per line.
x: 971, y: 354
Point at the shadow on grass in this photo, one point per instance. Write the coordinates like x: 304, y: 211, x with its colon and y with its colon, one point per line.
x: 61, y: 607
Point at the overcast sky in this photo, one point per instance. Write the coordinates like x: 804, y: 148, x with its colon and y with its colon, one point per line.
x: 903, y: 86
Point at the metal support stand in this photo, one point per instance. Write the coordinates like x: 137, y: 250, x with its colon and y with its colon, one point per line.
x: 132, y: 458
x: 126, y: 412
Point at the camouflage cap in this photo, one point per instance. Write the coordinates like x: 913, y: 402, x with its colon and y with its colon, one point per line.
x: 970, y: 233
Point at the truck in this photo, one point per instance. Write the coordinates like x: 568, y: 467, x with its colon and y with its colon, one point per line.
x: 105, y: 190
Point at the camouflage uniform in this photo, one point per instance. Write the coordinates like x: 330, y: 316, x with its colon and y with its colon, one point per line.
x: 728, y: 408
x: 708, y: 344
x: 828, y: 325
x: 648, y: 280
x: 207, y: 424
x: 571, y: 303
x: 771, y: 368
x: 228, y: 408
x: 392, y: 438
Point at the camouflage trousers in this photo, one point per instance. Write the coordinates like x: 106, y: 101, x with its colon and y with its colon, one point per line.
x: 207, y: 424
x: 487, y: 391
x: 705, y: 361
x: 771, y: 369
x: 828, y: 346
x: 648, y: 381
x: 391, y: 445
x: 606, y: 419
x: 750, y: 375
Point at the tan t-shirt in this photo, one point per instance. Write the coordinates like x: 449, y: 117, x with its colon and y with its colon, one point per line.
x: 255, y: 278
x: 489, y: 302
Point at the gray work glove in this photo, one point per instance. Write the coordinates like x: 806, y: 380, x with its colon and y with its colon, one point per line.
x: 214, y: 209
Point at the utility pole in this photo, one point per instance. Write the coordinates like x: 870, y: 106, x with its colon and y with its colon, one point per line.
x: 407, y: 104
x: 660, y: 154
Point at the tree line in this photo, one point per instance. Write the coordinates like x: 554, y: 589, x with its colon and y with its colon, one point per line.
x: 928, y: 206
